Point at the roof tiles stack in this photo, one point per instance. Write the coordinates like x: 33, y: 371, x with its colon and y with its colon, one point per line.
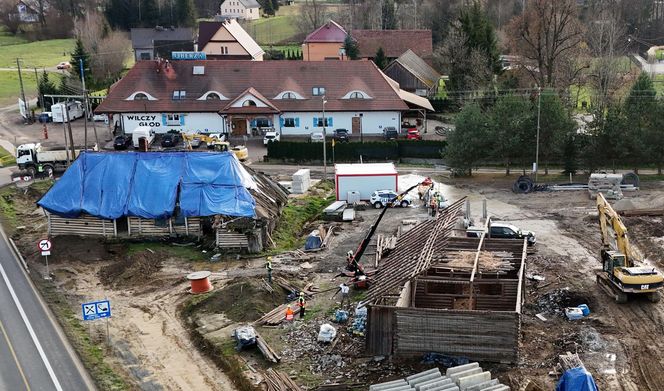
x: 468, y: 377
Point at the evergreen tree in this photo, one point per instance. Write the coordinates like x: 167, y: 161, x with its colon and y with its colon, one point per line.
x: 640, y: 112
x: 388, y: 18
x: 76, y: 57
x: 275, y: 5
x: 513, y: 129
x: 268, y: 7
x: 186, y: 13
x: 119, y: 13
x: 468, y: 144
x: 555, y: 126
x: 476, y: 25
x: 380, y: 60
x: 351, y: 48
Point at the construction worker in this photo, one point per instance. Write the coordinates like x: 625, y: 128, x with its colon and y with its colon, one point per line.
x: 302, y: 304
x: 268, y: 267
x: 345, y: 290
x: 289, y: 313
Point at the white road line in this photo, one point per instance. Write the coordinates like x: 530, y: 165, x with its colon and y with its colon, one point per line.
x: 51, y: 373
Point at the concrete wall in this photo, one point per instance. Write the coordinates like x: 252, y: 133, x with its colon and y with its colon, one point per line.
x: 372, y: 122
x: 319, y: 51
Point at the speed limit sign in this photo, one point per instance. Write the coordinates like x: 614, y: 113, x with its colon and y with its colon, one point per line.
x: 45, y: 246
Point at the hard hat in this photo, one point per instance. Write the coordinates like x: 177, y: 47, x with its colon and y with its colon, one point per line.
x: 301, y: 293
x: 269, y: 258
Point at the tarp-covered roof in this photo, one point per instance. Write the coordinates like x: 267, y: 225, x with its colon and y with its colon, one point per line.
x: 148, y: 185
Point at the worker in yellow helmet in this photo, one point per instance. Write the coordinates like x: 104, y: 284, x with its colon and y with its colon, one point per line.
x: 268, y: 267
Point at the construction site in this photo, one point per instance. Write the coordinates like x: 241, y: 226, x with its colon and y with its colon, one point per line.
x: 438, y: 298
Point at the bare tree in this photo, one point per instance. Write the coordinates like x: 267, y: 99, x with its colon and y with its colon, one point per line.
x: 9, y: 16
x: 312, y: 16
x: 108, y: 49
x: 545, y: 34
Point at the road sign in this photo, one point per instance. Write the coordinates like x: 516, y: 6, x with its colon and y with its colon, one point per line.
x: 45, y: 245
x: 96, y: 310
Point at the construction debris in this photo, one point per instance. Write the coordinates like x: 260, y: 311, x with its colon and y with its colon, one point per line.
x: 266, y: 350
x: 279, y: 381
x: 467, y: 377
x: 569, y: 361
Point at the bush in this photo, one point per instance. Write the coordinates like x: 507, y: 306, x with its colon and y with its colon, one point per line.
x: 350, y: 152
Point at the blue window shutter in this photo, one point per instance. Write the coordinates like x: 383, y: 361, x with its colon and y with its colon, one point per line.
x: 181, y: 119
x: 297, y: 122
x: 329, y: 121
x: 253, y: 123
x: 163, y: 119
x: 281, y: 121
x: 315, y: 121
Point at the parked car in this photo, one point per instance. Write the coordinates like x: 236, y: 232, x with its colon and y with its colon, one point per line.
x: 45, y: 117
x: 341, y: 135
x: 380, y: 198
x: 63, y: 65
x: 316, y: 137
x: 406, y: 126
x: 170, y: 140
x: 503, y: 230
x: 100, y: 117
x: 390, y: 133
x: 271, y: 136
x: 413, y: 134
x: 195, y: 142
x: 122, y: 141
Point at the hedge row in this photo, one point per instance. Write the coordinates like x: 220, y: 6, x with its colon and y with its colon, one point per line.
x: 350, y: 152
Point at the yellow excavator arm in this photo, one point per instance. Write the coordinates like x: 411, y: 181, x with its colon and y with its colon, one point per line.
x: 610, y: 220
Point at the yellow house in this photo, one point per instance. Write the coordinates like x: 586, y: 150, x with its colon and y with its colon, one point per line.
x: 325, y: 43
x: 227, y: 41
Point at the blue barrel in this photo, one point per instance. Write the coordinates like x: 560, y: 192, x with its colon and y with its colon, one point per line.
x: 584, y: 308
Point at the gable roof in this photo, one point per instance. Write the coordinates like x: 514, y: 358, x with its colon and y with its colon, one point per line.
x: 250, y: 109
x: 417, y: 67
x: 207, y: 30
x: 145, y: 37
x: 269, y: 78
x: 393, y: 42
x: 329, y: 32
x: 247, y: 3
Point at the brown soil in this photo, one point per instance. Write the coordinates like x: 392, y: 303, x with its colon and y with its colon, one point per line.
x: 132, y: 271
x: 244, y: 300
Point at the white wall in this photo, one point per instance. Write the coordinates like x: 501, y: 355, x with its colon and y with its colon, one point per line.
x: 372, y: 122
x: 365, y: 184
x: 193, y: 122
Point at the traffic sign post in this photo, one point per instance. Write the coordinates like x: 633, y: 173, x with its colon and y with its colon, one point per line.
x: 100, y: 309
x: 45, y: 246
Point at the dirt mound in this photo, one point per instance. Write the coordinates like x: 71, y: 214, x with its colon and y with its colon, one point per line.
x: 135, y: 270
x: 244, y: 300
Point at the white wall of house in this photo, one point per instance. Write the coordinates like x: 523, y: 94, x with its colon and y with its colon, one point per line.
x: 185, y: 122
x: 235, y: 9
x: 373, y: 122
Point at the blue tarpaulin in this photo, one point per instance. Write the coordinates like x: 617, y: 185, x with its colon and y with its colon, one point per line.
x: 149, y: 185
x: 576, y: 379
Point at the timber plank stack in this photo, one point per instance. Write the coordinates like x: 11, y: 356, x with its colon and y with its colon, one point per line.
x: 279, y: 381
x: 276, y: 316
x: 266, y: 349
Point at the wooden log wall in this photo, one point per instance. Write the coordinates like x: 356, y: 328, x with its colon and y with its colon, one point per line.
x: 477, y: 335
x: 490, y: 294
x: 84, y: 225
x: 380, y: 330
x: 139, y: 227
x: 231, y: 240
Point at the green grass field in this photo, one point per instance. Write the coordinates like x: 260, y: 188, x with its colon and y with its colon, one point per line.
x: 273, y: 30
x: 579, y: 95
x: 10, y: 88
x: 39, y: 54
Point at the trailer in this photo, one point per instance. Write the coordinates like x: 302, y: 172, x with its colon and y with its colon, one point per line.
x: 364, y: 179
x: 35, y: 158
x: 64, y: 111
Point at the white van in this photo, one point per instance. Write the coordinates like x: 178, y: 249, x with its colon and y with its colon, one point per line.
x: 59, y: 111
x: 142, y: 131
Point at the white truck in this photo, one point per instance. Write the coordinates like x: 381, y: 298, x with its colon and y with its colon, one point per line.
x: 140, y: 132
x: 60, y: 110
x: 31, y: 156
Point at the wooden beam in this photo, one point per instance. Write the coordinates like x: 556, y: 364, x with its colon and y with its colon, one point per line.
x: 521, y: 271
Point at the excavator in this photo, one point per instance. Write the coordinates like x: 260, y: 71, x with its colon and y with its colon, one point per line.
x: 217, y: 145
x: 360, y: 278
x: 620, y: 274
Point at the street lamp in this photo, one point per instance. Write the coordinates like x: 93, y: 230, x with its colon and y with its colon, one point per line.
x: 324, y: 142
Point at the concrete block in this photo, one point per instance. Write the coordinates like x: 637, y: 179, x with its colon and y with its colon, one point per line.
x: 425, y: 378
x: 456, y: 376
x: 499, y: 387
x: 447, y: 387
x: 386, y: 385
x: 425, y: 373
x: 461, y: 368
x: 484, y: 385
x: 438, y: 382
x: 468, y: 381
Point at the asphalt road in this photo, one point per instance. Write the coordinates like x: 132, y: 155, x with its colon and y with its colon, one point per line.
x: 34, y: 354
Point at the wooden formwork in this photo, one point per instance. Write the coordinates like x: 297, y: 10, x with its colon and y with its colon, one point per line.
x: 187, y: 226
x: 84, y: 225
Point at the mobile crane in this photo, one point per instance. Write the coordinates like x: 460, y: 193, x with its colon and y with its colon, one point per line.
x: 620, y: 276
x: 360, y: 278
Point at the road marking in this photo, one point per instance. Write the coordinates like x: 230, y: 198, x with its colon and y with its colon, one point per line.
x: 11, y: 349
x: 51, y: 373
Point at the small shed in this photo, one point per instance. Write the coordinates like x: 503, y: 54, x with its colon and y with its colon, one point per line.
x: 364, y: 178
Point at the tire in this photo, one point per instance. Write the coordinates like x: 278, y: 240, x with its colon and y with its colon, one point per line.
x: 32, y: 171
x: 621, y: 298
x: 377, y: 205
x: 49, y: 170
x: 654, y: 297
x: 404, y: 204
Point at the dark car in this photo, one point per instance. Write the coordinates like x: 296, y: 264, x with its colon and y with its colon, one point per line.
x: 170, y: 140
x: 122, y: 142
x: 390, y: 133
x: 341, y: 135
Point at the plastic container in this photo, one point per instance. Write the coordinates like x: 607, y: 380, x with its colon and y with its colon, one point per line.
x: 573, y: 313
x: 584, y: 308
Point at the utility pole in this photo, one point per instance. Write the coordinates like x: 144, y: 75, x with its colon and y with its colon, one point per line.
x: 64, y: 130
x: 40, y: 95
x: 324, y: 142
x: 539, y: 112
x: 20, y: 79
x: 71, y: 137
x: 87, y: 107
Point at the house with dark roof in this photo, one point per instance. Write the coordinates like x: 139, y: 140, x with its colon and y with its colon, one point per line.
x: 227, y: 40
x: 325, y: 43
x: 240, y: 9
x: 236, y: 97
x: 150, y: 43
x: 414, y: 74
x: 393, y: 42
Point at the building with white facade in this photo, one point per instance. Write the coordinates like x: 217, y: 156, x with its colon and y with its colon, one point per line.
x: 237, y: 96
x: 240, y: 9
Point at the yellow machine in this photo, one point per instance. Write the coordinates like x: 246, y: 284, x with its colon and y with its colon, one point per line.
x: 620, y: 275
x: 240, y: 151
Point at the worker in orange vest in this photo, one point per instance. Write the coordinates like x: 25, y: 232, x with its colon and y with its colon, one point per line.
x: 302, y: 304
x: 289, y: 313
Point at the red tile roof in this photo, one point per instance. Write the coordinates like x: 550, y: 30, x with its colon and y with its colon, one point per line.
x: 269, y: 78
x: 329, y: 32
x: 393, y: 42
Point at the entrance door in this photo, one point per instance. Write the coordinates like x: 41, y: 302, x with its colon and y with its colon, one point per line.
x: 239, y: 127
x: 357, y: 123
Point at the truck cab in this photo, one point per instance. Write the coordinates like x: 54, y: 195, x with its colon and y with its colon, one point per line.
x: 26, y: 155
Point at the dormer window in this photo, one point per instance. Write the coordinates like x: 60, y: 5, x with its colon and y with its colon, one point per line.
x: 213, y: 96
x: 357, y: 95
x: 288, y: 95
x: 248, y: 103
x: 140, y: 95
x: 179, y: 94
x: 318, y: 91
